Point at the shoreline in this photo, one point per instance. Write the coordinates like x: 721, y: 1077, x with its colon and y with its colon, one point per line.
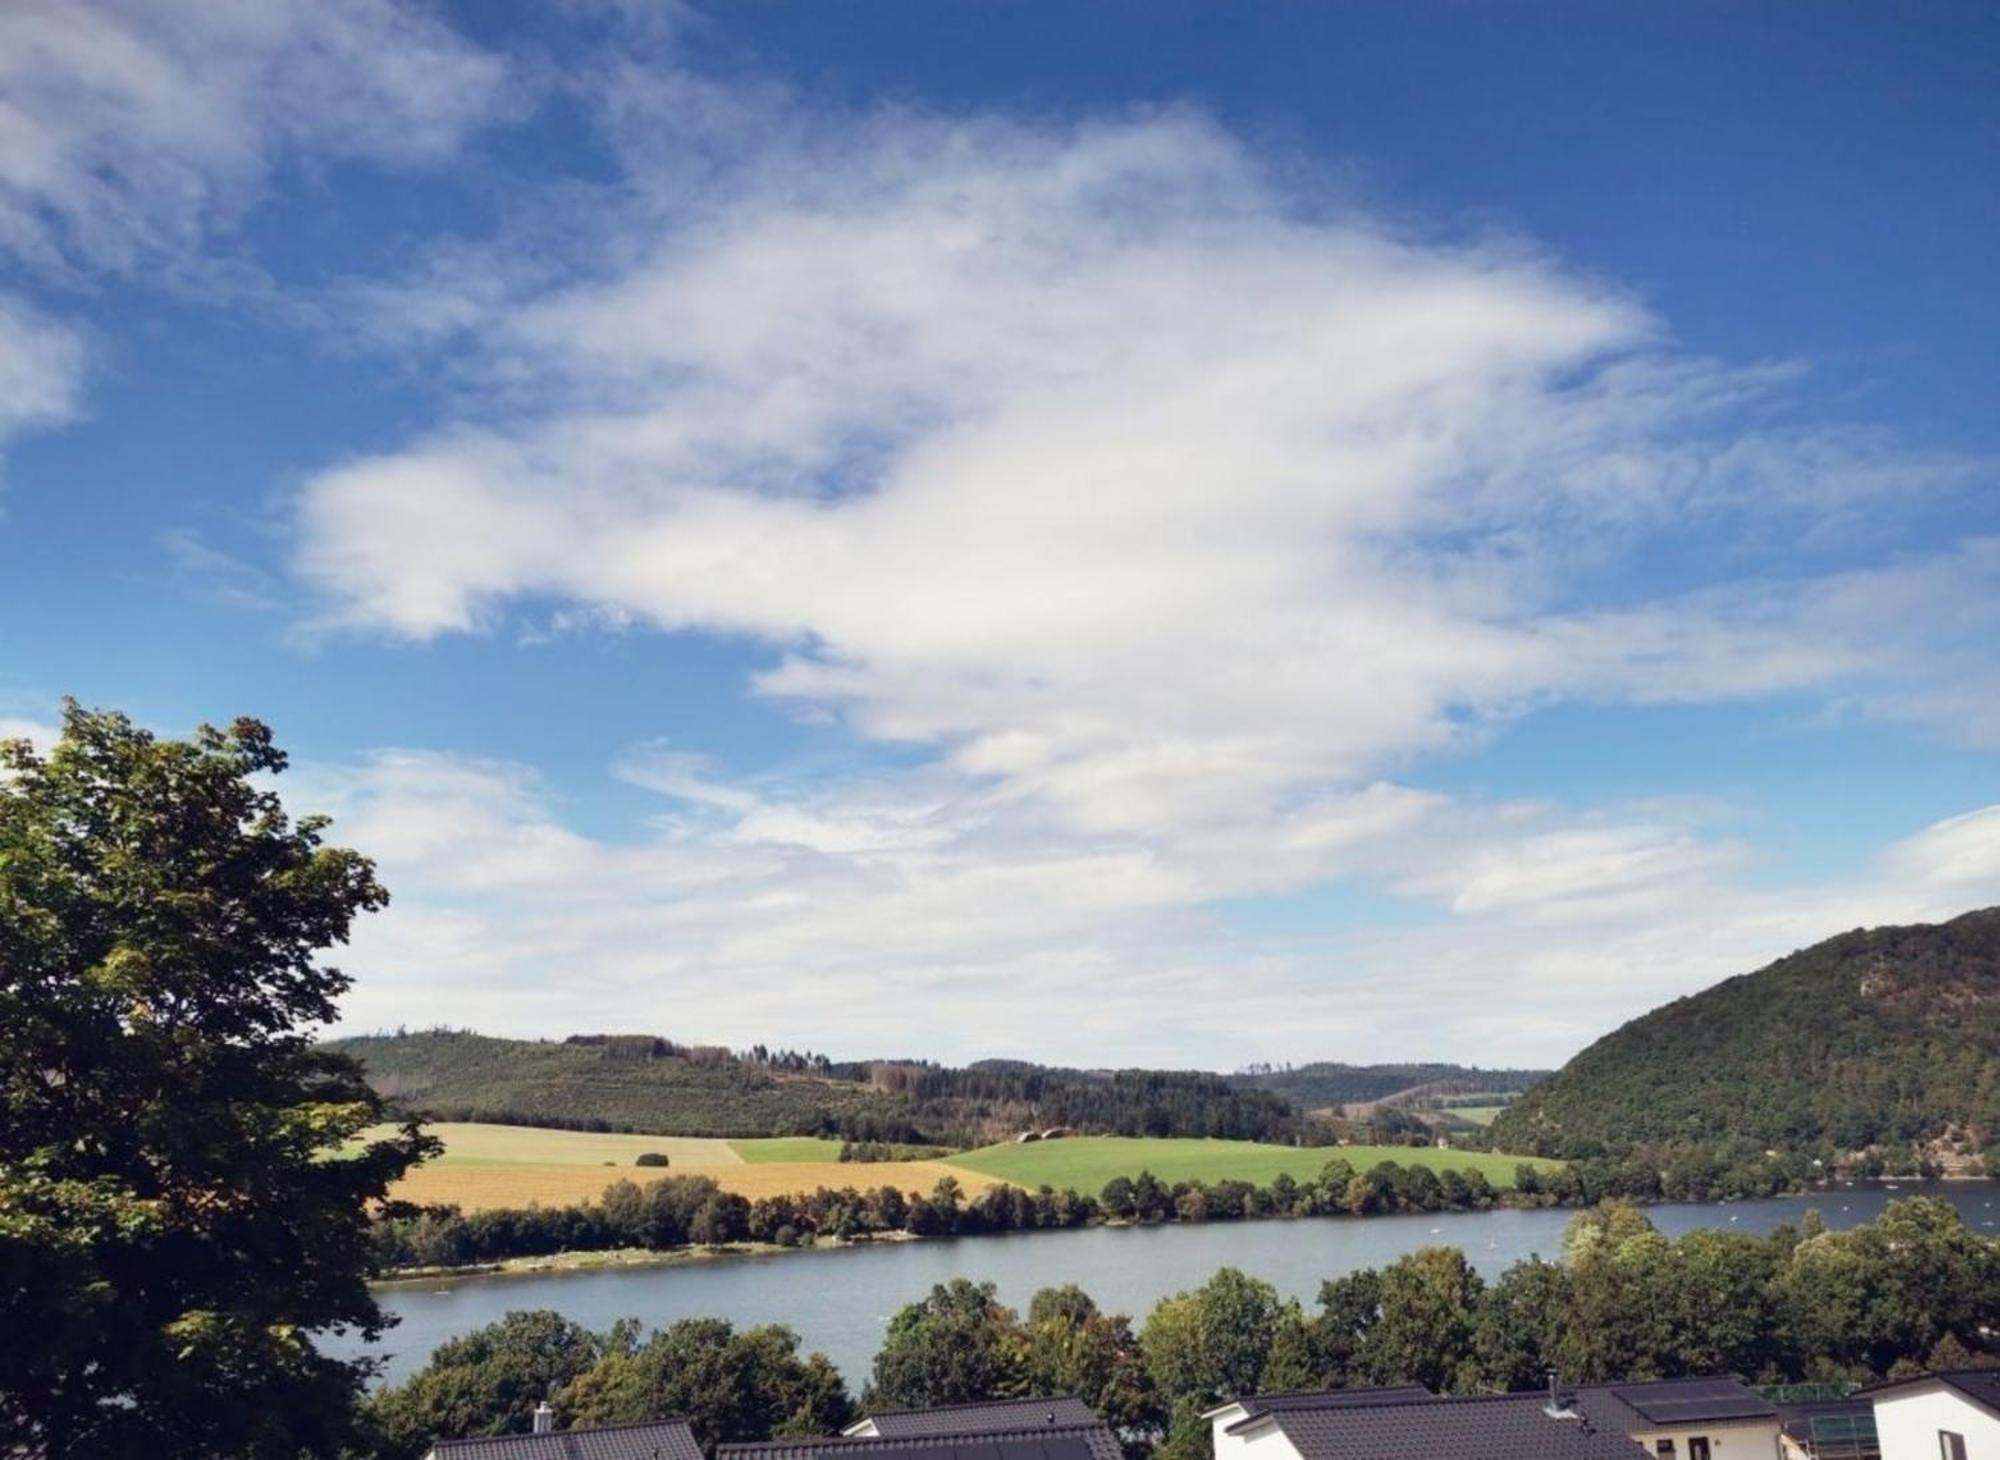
x: 629, y: 1257
x: 625, y: 1258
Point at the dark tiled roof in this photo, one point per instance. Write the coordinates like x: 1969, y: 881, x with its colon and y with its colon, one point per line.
x: 1256, y: 1406
x: 982, y: 1417
x: 1483, y: 1427
x: 1981, y: 1386
x: 1036, y: 1442
x: 1670, y: 1403
x: 659, y: 1439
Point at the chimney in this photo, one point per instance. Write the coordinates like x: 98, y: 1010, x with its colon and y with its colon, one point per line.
x: 545, y: 1418
x: 1558, y: 1406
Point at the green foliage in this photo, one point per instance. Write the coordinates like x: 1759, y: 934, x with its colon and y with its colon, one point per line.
x: 169, y: 1227
x: 651, y: 1158
x: 956, y: 1345
x: 728, y: 1385
x: 1430, y: 1299
x: 1876, y: 1038
x: 1069, y: 1347
x: 487, y: 1382
x: 1214, y: 1341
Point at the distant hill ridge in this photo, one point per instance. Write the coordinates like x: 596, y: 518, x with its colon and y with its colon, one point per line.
x: 1878, y: 1038
x: 650, y: 1084
x: 1324, y: 1084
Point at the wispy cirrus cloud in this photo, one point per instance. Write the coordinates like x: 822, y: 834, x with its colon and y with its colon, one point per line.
x: 135, y: 135
x: 130, y: 131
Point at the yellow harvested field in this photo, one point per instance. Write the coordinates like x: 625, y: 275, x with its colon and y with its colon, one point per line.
x: 476, y: 1186
x: 469, y: 1143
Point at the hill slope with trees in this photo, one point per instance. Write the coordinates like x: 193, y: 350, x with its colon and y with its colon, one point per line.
x: 641, y: 1082
x: 1878, y: 1039
x: 645, y: 1083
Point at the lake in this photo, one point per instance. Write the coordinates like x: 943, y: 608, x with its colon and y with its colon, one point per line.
x: 839, y: 1299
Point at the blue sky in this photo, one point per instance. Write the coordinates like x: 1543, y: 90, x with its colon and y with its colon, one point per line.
x: 1105, y: 533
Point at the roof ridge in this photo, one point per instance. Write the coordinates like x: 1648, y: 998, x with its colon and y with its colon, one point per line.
x: 971, y: 1404
x: 1427, y: 1398
x: 626, y: 1424
x: 820, y: 1442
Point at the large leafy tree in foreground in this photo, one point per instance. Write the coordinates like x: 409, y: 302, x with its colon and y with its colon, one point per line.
x: 176, y: 1216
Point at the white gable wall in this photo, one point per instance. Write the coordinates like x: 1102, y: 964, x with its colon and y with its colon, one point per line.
x: 1261, y: 1441
x: 1909, y: 1420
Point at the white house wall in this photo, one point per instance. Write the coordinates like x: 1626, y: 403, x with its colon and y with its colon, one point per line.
x: 1908, y: 1424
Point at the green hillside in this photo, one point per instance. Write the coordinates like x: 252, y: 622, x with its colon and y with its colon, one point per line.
x: 453, y: 1075
x: 647, y: 1083
x: 1879, y: 1037
x: 1324, y: 1084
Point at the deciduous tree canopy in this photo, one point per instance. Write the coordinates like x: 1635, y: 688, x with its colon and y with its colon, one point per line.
x: 171, y: 1226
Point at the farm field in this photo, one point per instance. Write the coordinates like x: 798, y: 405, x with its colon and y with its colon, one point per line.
x: 509, y: 1165
x: 1481, y: 1115
x: 477, y: 1187
x: 469, y: 1143
x: 786, y: 1148
x: 1085, y: 1163
x: 512, y: 1166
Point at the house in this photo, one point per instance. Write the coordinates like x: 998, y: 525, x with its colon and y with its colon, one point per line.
x: 1950, y: 1415
x: 1687, y: 1419
x: 985, y: 1417
x: 1042, y: 1429
x: 1240, y: 1426
x: 658, y: 1439
x: 1412, y: 1424
x: 1672, y: 1419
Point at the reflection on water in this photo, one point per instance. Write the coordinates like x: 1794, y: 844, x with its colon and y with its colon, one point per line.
x: 839, y: 1299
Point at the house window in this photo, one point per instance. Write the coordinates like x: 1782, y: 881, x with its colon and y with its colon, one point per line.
x: 1950, y: 1446
x: 1698, y: 1448
x: 1664, y: 1449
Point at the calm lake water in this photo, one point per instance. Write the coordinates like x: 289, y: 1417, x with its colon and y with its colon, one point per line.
x: 839, y: 1299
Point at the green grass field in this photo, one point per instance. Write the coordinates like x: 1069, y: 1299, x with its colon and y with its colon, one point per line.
x: 1476, y: 1114
x: 1085, y: 1163
x: 472, y: 1144
x: 763, y: 1149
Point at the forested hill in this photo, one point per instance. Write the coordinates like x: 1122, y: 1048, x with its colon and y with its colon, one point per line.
x: 646, y: 1083
x: 1879, y: 1038
x: 1321, y: 1085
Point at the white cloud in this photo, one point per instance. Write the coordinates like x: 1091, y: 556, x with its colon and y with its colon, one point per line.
x: 833, y: 917
x: 39, y: 733
x: 1095, y: 459
x: 1963, y: 851
x: 1172, y: 512
x: 41, y: 368
x: 129, y: 129
x: 134, y: 133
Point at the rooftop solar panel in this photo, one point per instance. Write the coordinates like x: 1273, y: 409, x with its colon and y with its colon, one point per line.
x: 1689, y: 1401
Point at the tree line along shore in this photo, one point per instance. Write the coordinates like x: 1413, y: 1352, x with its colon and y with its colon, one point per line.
x: 1621, y: 1301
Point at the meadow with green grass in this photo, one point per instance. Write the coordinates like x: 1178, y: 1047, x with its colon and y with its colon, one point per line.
x: 476, y: 1143
x: 766, y: 1149
x: 492, y: 1165
x: 1085, y: 1163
